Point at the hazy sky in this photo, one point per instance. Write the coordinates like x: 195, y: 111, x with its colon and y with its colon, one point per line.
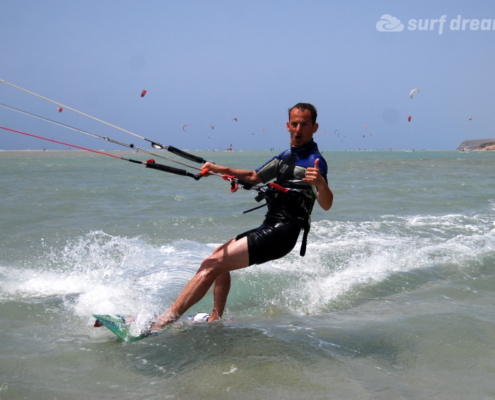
x: 206, y: 62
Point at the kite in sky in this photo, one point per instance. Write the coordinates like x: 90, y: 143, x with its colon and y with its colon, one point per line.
x: 412, y: 92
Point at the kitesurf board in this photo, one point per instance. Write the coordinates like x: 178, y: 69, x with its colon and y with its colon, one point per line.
x: 117, y: 325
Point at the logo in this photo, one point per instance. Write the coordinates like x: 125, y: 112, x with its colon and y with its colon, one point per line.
x: 388, y: 23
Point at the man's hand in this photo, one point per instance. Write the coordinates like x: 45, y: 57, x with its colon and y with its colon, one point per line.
x: 210, y: 167
x: 325, y: 195
x: 313, y: 175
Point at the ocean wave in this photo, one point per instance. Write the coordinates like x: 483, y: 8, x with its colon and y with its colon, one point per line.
x: 346, y: 263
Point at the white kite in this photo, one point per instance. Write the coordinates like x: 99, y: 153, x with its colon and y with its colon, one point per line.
x: 412, y: 92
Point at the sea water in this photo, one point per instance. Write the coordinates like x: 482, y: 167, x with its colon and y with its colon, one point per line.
x: 393, y: 300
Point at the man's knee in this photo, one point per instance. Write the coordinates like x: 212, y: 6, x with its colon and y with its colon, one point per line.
x: 210, y: 269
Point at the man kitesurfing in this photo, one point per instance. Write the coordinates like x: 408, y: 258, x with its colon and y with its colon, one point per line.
x: 301, y: 173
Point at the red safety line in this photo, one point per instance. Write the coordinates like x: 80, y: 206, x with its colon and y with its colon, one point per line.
x: 56, y: 141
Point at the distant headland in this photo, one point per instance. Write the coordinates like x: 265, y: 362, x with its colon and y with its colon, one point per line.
x: 477, y: 144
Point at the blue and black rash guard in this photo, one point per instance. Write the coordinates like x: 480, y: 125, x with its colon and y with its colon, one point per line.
x: 289, y: 168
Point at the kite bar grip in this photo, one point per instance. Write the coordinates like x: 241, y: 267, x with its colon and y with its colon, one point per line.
x: 151, y: 164
x: 183, y: 154
x: 278, y: 187
x: 202, y: 173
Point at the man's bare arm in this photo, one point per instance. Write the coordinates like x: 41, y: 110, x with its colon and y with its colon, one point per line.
x: 243, y: 174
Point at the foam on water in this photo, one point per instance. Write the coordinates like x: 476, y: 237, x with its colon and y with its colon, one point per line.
x: 103, y: 274
x: 345, y: 259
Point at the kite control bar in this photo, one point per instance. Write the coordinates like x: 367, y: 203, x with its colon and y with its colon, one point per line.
x: 148, y: 164
x: 161, y: 167
x: 183, y: 154
x: 172, y: 149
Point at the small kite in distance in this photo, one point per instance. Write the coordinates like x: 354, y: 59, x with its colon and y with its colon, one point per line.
x: 409, y: 118
x: 470, y: 118
x: 184, y: 127
x: 235, y: 119
x: 60, y: 109
x: 143, y: 93
x: 412, y: 92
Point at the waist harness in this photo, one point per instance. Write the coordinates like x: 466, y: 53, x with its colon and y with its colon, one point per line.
x: 292, y: 200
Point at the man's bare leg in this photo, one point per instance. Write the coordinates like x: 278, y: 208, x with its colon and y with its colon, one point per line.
x: 228, y: 257
x: 220, y: 293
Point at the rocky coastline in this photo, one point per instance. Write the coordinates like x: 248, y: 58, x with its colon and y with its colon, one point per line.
x: 477, y: 145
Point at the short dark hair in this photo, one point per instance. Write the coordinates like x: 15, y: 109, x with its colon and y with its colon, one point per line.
x: 306, y: 106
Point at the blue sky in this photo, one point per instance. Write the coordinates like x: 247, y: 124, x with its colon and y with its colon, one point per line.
x: 204, y: 63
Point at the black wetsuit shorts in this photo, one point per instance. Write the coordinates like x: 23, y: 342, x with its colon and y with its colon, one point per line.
x: 271, y: 240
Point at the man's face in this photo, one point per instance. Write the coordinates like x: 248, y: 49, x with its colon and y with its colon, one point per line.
x: 301, y: 127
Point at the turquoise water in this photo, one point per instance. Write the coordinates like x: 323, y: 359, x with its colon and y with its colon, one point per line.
x: 394, y: 298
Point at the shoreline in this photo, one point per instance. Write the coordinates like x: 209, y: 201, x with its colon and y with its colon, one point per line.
x: 477, y: 145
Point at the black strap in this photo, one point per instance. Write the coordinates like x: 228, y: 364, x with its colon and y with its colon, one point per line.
x: 306, y: 226
x: 302, y: 252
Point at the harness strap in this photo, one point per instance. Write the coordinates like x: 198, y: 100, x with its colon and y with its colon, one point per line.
x: 306, y: 226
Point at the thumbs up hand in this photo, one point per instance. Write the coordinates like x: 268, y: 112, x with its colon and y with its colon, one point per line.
x: 313, y: 175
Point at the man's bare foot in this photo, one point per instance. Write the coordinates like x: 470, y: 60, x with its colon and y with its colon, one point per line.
x: 214, y: 316
x: 161, y: 322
